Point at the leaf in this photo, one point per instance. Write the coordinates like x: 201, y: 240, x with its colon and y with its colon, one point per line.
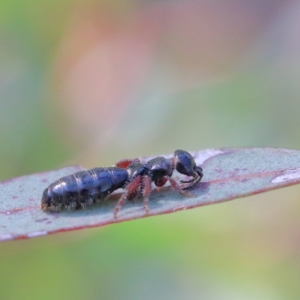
x: 228, y: 173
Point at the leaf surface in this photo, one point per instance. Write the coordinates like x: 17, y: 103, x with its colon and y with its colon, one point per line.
x: 229, y: 173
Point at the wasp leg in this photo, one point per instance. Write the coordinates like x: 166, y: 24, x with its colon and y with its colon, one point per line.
x: 146, y: 190
x: 190, y: 183
x: 177, y: 187
x: 197, y: 176
x: 129, y: 191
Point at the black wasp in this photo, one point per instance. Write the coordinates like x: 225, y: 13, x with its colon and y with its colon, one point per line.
x: 87, y: 187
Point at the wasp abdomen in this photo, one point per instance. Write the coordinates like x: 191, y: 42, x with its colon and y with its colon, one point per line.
x: 83, y: 188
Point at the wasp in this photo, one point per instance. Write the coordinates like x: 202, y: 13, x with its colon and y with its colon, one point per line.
x: 84, y: 188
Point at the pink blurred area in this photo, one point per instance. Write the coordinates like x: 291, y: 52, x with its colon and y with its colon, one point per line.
x: 101, y: 65
x: 110, y: 59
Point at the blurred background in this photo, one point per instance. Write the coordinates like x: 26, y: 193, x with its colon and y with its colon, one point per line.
x: 93, y: 82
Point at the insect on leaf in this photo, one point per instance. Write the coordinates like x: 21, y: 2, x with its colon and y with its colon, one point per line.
x: 229, y: 173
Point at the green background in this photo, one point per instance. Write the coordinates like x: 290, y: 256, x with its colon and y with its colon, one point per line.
x: 91, y: 83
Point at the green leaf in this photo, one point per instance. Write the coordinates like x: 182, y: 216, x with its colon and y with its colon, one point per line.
x: 229, y: 173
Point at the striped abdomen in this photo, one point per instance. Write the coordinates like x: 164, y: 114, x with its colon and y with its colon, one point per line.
x: 83, y: 188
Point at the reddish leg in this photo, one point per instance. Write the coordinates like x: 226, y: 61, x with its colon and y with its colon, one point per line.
x: 129, y: 190
x: 161, y: 182
x: 177, y: 187
x: 146, y: 191
x: 126, y: 162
